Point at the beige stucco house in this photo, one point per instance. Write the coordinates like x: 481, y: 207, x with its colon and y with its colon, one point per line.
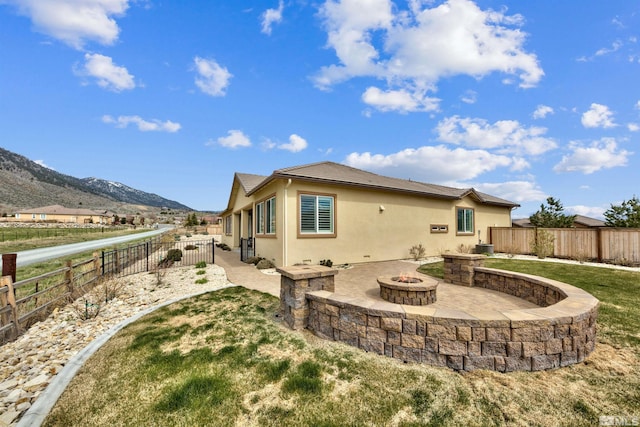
x: 320, y: 211
x: 57, y: 213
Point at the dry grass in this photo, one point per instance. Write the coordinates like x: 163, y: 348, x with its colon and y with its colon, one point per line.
x: 225, y: 359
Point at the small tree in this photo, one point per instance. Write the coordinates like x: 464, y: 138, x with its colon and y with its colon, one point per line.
x: 552, y: 215
x: 191, y: 220
x: 626, y: 214
x: 542, y: 244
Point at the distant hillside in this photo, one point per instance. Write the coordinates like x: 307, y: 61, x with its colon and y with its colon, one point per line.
x: 127, y: 194
x: 26, y: 184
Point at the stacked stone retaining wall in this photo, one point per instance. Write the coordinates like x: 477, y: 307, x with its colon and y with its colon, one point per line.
x: 561, y: 332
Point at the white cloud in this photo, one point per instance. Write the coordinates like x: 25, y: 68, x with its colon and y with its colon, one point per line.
x: 399, y: 100
x: 413, y: 49
x: 212, y: 79
x: 616, y: 45
x: 542, y: 111
x: 41, y: 163
x: 469, y: 97
x: 507, y: 136
x: 272, y: 16
x: 143, y: 125
x: 603, y: 154
x: 74, y: 22
x: 633, y: 127
x: 598, y: 116
x: 235, y: 139
x: 590, y: 211
x: 437, y: 164
x: 517, y: 191
x: 108, y: 75
x: 296, y: 143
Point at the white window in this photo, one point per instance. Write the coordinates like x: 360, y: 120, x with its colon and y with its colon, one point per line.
x: 270, y: 216
x: 465, y: 221
x: 260, y: 218
x: 317, y: 214
x: 266, y: 216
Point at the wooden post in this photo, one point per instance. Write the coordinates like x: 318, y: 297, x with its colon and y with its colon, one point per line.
x: 599, y: 243
x: 4, y: 300
x: 11, y: 300
x: 68, y: 278
x: 9, y: 265
x: 96, y: 265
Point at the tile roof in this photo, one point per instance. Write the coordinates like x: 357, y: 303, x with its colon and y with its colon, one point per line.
x: 249, y: 181
x: 335, y: 173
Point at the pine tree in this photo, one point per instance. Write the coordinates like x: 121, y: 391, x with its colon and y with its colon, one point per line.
x: 552, y: 215
x: 626, y: 214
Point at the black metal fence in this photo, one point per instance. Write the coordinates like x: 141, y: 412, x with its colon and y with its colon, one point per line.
x: 153, y: 254
x: 247, y: 248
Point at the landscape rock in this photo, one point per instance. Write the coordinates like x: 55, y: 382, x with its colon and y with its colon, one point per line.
x: 30, y: 363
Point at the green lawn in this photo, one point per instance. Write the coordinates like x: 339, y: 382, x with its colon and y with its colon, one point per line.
x: 224, y: 359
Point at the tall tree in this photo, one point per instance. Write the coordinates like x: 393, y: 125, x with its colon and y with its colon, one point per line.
x: 626, y: 214
x: 552, y: 215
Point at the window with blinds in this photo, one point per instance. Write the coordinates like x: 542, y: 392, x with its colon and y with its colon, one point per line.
x: 317, y: 214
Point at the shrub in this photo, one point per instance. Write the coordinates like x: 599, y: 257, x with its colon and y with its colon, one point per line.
x: 174, y: 255
x: 201, y: 281
x: 223, y: 246
x: 464, y: 249
x: 254, y: 260
x: 263, y: 264
x: 326, y: 262
x: 542, y: 244
x: 417, y: 251
x: 190, y: 248
x: 201, y: 264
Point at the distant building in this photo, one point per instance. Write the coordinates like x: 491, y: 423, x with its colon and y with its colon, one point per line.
x: 60, y: 214
x: 581, y: 221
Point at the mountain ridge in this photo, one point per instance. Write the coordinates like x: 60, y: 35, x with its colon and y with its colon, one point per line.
x: 27, y: 184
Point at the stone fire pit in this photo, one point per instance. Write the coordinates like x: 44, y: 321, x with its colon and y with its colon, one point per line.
x: 408, y: 290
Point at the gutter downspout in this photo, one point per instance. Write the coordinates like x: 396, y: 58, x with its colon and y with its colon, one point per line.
x: 286, y: 224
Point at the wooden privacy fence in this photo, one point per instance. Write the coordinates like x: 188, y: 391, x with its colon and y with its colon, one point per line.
x: 27, y: 301
x: 610, y: 245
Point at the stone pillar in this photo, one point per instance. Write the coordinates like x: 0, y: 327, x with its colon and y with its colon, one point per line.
x: 295, y: 282
x: 459, y: 268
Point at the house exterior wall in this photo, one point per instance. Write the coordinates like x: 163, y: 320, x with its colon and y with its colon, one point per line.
x: 63, y: 218
x: 369, y: 225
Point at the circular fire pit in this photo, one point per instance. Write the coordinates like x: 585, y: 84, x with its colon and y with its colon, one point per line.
x: 408, y: 290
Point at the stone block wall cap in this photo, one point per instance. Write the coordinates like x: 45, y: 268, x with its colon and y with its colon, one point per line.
x: 299, y: 272
x: 319, y: 295
x: 464, y: 256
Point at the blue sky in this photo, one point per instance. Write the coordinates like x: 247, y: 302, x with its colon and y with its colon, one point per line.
x: 522, y: 100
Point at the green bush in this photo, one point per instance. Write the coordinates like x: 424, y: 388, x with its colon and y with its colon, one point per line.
x: 174, y: 255
x: 201, y: 264
x: 190, y: 248
x: 201, y: 281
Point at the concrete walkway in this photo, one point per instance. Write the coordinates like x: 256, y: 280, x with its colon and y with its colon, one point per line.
x: 360, y: 281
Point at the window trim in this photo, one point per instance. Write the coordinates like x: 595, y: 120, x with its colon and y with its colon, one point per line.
x: 334, y: 215
x: 228, y: 225
x: 266, y: 216
x: 473, y: 221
